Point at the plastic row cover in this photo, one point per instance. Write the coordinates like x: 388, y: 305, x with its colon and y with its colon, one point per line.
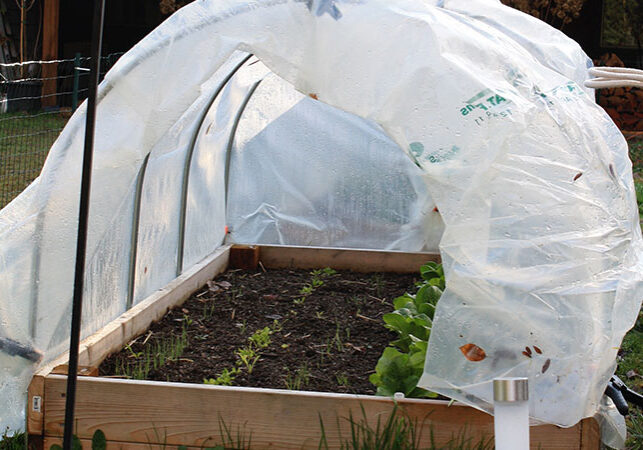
x: 541, y: 246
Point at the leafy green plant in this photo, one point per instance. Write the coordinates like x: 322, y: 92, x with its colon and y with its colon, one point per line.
x: 400, y: 372
x: 401, y: 364
x: 433, y: 274
x: 248, y: 357
x: 225, y: 378
x: 261, y: 338
x: 413, y: 316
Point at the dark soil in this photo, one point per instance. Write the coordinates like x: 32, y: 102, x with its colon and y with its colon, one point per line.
x: 330, y: 341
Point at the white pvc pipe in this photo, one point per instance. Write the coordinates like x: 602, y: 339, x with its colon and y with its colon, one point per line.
x: 511, y: 413
x: 611, y: 77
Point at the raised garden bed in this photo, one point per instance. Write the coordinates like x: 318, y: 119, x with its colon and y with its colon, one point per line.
x: 335, y: 354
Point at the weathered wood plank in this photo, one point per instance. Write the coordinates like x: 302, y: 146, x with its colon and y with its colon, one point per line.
x: 138, y: 319
x: 112, y: 445
x: 343, y: 259
x: 590, y: 435
x: 191, y: 414
x: 35, y: 412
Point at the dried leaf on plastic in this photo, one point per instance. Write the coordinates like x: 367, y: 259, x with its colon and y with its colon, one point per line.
x: 472, y: 352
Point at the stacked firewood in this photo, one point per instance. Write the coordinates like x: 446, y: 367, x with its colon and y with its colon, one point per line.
x: 624, y: 104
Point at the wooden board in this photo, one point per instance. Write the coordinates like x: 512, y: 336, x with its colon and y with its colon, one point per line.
x: 155, y: 413
x: 112, y: 445
x: 274, y: 256
x: 51, y: 23
x: 113, y: 336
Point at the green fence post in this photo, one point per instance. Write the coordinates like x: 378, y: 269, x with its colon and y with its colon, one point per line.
x: 74, y: 95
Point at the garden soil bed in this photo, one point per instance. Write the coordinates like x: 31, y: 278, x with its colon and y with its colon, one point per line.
x: 325, y: 330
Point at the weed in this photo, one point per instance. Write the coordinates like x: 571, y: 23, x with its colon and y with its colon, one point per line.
x: 319, y: 314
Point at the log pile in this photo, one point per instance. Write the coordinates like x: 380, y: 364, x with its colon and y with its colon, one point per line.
x: 624, y: 105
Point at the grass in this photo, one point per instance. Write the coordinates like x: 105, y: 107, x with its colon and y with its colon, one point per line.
x: 25, y: 140
x: 17, y: 441
x: 397, y: 432
x: 630, y: 366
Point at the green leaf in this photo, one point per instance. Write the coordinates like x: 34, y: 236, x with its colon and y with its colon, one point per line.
x: 397, y: 322
x: 404, y: 301
x: 181, y: 447
x: 98, y: 440
x: 55, y: 447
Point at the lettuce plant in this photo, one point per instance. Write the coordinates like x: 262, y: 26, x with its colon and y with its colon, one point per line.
x: 401, y: 364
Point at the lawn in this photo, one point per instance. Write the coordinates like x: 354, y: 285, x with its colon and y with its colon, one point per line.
x: 25, y: 140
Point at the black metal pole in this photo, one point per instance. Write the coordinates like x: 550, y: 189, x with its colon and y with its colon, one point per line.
x: 83, y: 214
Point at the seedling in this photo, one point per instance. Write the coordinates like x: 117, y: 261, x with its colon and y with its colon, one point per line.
x: 342, y: 379
x: 299, y: 379
x: 224, y: 379
x: 315, y: 282
x: 248, y: 357
x: 261, y: 338
x: 153, y: 356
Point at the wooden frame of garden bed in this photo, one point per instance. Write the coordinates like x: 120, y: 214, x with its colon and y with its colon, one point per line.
x: 141, y: 415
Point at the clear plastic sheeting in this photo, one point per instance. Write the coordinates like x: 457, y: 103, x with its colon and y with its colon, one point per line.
x: 303, y: 173
x: 542, y: 246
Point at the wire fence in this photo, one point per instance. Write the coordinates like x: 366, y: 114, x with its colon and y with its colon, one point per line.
x: 36, y: 100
